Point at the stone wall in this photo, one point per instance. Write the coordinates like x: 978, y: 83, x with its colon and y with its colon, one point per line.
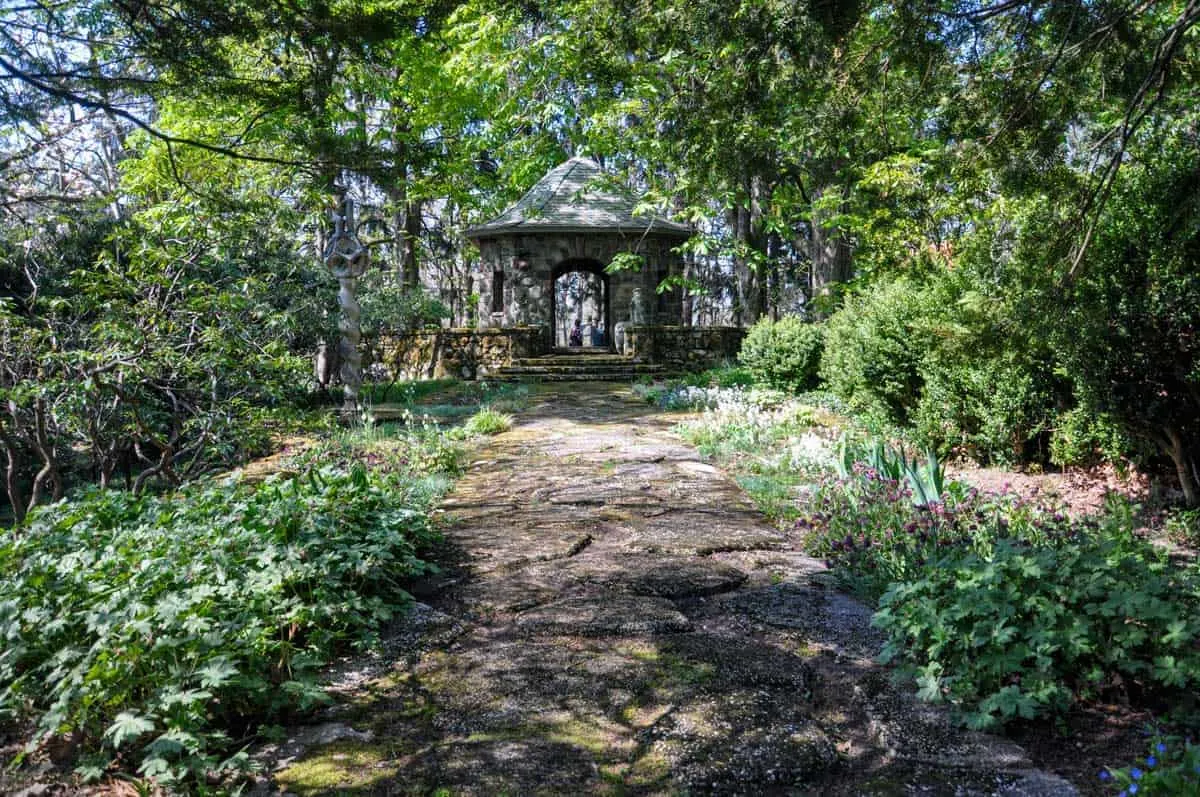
x: 481, y: 353
x: 455, y: 353
x: 683, y: 348
x: 528, y: 264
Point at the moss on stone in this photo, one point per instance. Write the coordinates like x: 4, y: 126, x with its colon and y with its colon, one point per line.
x: 340, y: 768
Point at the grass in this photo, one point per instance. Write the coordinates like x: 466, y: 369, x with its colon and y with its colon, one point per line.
x: 444, y: 402
x: 488, y: 421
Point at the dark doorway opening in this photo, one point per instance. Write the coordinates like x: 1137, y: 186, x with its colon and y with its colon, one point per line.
x: 581, y: 293
x: 497, y: 291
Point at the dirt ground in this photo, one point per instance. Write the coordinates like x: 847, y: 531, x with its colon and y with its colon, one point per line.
x: 1081, y: 491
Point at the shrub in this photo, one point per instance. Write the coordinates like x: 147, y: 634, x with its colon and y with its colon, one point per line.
x: 783, y: 354
x: 993, y: 406
x: 873, y: 351
x: 388, y: 308
x: 1019, y: 630
x: 151, y: 627
x: 1084, y: 438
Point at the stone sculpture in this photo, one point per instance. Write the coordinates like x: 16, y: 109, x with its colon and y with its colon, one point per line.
x: 347, y: 259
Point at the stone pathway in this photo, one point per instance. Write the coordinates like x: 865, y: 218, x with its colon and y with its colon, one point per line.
x: 620, y: 620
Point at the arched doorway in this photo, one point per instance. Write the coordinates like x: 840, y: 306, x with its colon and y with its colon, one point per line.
x: 580, y: 290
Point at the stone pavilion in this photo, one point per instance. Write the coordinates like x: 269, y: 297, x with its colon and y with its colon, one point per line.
x: 568, y: 223
x: 544, y: 263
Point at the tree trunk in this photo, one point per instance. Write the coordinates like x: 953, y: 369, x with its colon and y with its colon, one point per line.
x: 48, y: 477
x: 410, y: 267
x: 1178, y: 451
x: 12, y: 476
x: 685, y: 293
x: 830, y: 253
x: 746, y: 220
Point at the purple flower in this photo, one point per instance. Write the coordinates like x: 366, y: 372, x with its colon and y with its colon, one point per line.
x: 1133, y: 788
x: 1136, y: 773
x: 1105, y: 775
x: 1160, y: 747
x: 1151, y: 761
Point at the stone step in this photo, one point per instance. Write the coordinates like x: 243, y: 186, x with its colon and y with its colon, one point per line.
x: 580, y: 350
x: 584, y: 360
x: 632, y: 368
x: 578, y: 376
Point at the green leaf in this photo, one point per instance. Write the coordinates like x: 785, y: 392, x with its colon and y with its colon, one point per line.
x: 127, y: 726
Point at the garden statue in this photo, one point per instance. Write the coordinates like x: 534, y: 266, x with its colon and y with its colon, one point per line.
x: 638, y: 310
x: 347, y: 259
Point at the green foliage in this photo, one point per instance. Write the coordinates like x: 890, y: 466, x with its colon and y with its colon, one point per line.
x: 1016, y: 630
x: 1171, y: 768
x: 163, y: 629
x: 783, y: 354
x: 874, y: 532
x: 488, y: 422
x: 944, y: 358
x: 388, y: 308
x: 720, y: 377
x: 1126, y: 329
x: 873, y: 351
x: 1182, y: 526
x: 414, y: 445
x: 926, y: 481
x: 1083, y: 437
x: 992, y: 404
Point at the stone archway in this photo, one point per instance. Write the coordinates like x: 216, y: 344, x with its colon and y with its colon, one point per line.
x: 588, y: 294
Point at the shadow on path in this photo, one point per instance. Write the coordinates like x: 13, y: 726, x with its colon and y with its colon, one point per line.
x: 620, y: 620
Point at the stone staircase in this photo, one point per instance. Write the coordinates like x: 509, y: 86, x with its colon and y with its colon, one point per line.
x: 578, y: 365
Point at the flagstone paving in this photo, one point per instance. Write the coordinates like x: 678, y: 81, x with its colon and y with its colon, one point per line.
x: 618, y: 619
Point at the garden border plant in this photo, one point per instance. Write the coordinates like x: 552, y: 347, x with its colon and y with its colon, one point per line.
x: 163, y: 632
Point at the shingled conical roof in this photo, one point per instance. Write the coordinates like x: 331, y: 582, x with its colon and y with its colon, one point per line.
x: 565, y: 201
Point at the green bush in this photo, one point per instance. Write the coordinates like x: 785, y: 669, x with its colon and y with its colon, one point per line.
x: 873, y: 532
x: 152, y: 626
x: 994, y: 406
x: 1084, y: 438
x: 873, y: 351
x: 783, y: 354
x: 943, y: 359
x: 1021, y: 630
x: 388, y: 308
x: 488, y: 422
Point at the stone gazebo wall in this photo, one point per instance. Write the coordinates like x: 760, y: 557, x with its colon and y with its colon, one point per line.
x: 527, y: 263
x: 455, y: 353
x: 683, y: 348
